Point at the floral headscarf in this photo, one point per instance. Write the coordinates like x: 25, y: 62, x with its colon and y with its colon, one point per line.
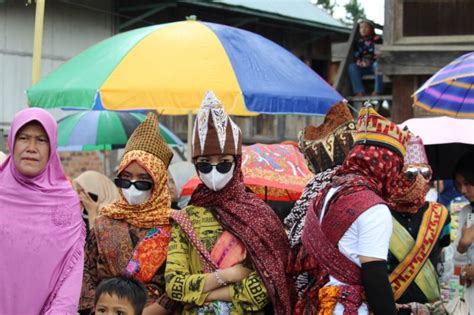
x: 156, y: 210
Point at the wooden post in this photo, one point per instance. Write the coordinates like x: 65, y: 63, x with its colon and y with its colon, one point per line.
x: 403, y: 88
x: 38, y: 41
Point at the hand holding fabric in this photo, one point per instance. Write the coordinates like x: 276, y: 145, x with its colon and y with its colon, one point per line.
x: 235, y: 273
x: 90, y: 205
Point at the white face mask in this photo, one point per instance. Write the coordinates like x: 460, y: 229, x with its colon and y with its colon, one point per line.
x: 135, y: 196
x: 216, y: 180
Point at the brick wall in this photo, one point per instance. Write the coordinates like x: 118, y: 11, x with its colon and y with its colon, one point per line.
x: 74, y: 163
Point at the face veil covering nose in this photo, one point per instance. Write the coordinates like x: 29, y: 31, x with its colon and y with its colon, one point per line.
x: 135, y: 196
x: 215, y: 180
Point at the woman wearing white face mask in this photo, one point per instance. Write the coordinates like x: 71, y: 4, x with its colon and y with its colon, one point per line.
x: 228, y: 249
x: 131, y: 236
x: 215, y: 171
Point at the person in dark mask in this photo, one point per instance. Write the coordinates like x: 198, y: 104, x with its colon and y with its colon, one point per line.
x: 228, y: 249
x: 130, y: 236
x: 420, y: 231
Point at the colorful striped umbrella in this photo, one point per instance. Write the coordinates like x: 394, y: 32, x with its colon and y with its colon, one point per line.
x: 103, y: 130
x: 169, y: 67
x: 450, y: 91
x: 274, y: 172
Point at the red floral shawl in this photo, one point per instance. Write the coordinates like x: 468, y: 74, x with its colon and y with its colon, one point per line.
x: 258, y: 227
x: 367, y: 168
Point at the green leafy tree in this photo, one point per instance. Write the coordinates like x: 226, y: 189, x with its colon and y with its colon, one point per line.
x: 327, y: 5
x: 354, y: 11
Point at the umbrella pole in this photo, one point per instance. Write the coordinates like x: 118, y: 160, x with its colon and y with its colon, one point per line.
x: 38, y: 41
x: 190, y: 134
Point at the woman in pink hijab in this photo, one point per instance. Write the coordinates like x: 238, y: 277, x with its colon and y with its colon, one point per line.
x: 41, y: 230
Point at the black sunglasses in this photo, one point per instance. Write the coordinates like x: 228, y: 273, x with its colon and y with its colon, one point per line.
x: 206, y: 167
x: 139, y: 184
x: 94, y: 197
x: 411, y: 172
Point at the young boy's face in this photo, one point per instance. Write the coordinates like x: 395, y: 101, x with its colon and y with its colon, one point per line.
x: 112, y: 305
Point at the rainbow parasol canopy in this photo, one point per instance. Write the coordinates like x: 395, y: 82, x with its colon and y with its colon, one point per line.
x: 103, y: 130
x: 169, y: 67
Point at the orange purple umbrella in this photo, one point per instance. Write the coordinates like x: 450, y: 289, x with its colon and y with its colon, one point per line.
x: 450, y: 91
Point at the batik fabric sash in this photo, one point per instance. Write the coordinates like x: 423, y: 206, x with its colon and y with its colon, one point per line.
x: 122, y: 258
x: 413, y: 254
x: 149, y: 254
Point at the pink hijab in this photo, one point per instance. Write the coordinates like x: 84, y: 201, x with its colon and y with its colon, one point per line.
x: 41, y: 231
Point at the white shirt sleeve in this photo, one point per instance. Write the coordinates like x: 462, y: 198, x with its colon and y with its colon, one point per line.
x: 375, y: 229
x: 461, y: 259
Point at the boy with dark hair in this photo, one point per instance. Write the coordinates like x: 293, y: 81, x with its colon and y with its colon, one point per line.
x: 120, y: 296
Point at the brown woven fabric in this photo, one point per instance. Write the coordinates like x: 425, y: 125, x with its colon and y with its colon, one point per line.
x: 336, y: 116
x: 327, y: 145
x: 147, y: 138
x: 212, y: 124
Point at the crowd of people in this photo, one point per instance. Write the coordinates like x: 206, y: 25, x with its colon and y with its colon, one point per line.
x: 361, y: 239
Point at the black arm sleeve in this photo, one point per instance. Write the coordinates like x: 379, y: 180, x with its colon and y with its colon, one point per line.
x: 377, y: 288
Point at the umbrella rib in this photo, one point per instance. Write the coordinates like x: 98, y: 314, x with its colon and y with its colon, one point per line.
x: 439, y: 98
x: 461, y: 103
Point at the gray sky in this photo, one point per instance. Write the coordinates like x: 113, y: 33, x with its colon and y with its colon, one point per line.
x: 374, y: 9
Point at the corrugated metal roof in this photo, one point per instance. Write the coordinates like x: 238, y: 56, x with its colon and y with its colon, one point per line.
x: 300, y: 10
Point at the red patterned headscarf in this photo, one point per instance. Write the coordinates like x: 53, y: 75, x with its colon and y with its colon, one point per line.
x: 409, y: 195
x: 258, y: 227
x: 368, y: 167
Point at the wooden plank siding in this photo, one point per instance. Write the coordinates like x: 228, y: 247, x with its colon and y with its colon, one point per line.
x: 421, y: 37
